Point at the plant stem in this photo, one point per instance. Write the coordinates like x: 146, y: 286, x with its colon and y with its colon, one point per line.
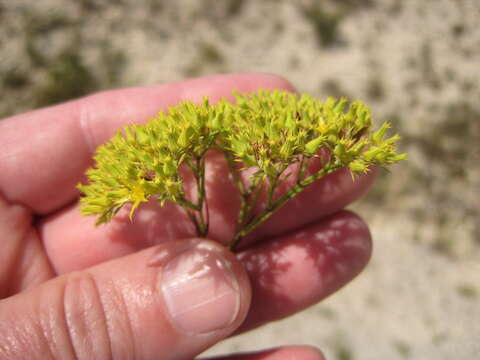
x: 204, y: 220
x: 245, y: 195
x: 182, y: 201
x: 194, y: 220
x: 301, y: 168
x: 234, y: 171
x: 294, y: 190
x: 196, y: 216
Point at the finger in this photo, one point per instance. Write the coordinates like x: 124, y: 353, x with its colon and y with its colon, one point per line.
x: 22, y: 260
x: 73, y: 242
x: 283, y: 353
x: 168, y: 302
x: 296, y: 270
x: 299, y: 269
x: 45, y: 152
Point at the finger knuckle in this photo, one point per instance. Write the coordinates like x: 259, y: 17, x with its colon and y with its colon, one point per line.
x: 88, y: 328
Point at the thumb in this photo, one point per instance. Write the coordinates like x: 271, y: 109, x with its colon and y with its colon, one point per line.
x: 168, y: 302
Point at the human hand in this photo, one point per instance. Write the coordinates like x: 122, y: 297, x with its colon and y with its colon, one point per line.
x: 134, y: 290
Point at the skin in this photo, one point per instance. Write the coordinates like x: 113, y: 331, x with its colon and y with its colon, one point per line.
x: 55, y: 265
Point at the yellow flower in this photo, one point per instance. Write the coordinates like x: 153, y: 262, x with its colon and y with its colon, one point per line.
x: 268, y: 131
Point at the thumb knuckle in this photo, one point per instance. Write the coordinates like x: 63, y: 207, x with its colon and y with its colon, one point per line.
x: 96, y: 319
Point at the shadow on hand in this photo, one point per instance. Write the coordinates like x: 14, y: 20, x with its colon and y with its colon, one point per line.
x: 299, y: 269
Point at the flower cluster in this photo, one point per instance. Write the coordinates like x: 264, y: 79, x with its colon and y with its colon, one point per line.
x: 267, y: 131
x: 275, y: 129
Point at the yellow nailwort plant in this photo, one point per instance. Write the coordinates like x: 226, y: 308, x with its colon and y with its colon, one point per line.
x: 275, y: 134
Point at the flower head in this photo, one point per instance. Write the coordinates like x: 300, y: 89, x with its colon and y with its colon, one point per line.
x: 267, y: 130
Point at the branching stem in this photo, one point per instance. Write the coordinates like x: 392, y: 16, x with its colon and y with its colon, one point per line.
x: 294, y: 190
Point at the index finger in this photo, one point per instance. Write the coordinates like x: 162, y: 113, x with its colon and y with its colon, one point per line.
x: 45, y: 152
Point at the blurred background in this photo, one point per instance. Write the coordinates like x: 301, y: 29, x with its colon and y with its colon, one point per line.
x: 416, y: 63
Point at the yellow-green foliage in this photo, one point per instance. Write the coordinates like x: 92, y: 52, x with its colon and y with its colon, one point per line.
x: 268, y: 131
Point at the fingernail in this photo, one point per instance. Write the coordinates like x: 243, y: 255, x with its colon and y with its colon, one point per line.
x: 200, y: 290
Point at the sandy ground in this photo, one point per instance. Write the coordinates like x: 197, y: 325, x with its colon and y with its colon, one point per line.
x: 416, y: 62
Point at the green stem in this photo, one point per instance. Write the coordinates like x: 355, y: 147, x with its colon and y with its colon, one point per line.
x: 234, y: 171
x: 247, y: 203
x: 194, y: 220
x: 301, y: 168
x: 197, y: 217
x: 271, y: 190
x: 204, y: 220
x: 244, y: 194
x: 182, y: 201
x: 273, y: 186
x: 294, y: 190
